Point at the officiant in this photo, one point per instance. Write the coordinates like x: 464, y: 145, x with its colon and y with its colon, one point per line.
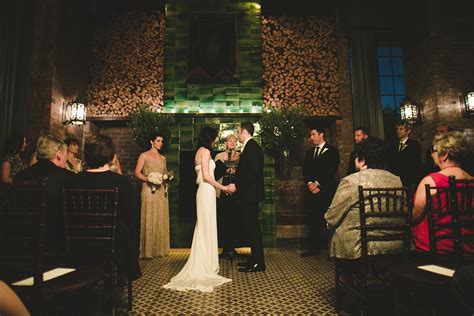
x: 229, y: 223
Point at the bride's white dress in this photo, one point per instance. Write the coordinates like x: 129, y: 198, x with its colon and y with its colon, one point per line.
x: 200, y: 272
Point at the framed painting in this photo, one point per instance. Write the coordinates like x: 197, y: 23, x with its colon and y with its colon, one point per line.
x: 213, y: 49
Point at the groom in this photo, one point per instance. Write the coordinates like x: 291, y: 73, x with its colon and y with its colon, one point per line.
x: 249, y: 187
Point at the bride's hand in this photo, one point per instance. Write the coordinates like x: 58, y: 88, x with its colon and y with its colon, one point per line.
x: 225, y: 189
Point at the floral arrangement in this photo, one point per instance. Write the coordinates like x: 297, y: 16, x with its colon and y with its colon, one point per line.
x: 280, y: 130
x: 145, y: 123
x: 157, y: 178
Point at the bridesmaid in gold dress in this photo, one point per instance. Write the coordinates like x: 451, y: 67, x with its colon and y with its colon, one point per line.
x: 155, y: 231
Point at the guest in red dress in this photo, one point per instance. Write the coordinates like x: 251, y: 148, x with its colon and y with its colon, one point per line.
x: 447, y: 153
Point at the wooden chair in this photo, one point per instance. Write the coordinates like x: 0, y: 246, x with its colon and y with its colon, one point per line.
x: 454, y: 223
x: 23, y: 212
x: 385, y: 217
x: 91, y: 221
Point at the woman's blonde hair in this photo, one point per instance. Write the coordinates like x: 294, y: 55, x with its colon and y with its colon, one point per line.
x: 230, y: 136
x: 454, y: 144
x: 47, y: 147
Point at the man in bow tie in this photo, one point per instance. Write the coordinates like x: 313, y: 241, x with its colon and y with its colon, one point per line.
x: 319, y: 173
x: 406, y: 156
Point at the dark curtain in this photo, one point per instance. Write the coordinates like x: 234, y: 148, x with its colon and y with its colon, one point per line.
x: 15, y: 52
x: 366, y: 94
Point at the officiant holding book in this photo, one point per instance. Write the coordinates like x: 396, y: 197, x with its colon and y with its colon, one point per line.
x: 228, y: 220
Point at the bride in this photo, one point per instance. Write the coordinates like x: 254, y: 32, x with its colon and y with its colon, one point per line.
x: 200, y: 272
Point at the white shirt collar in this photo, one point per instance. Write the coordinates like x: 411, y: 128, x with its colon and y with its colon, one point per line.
x: 243, y: 146
x: 404, y: 141
x: 320, y: 145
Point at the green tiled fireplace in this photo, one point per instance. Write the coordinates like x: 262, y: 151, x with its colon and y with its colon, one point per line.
x: 219, y: 103
x: 180, y: 158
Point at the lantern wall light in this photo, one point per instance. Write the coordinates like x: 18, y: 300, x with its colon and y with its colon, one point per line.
x: 468, y: 109
x: 410, y: 111
x: 74, y: 112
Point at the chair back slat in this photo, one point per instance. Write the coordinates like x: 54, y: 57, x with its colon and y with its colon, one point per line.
x: 385, y: 216
x: 23, y: 211
x: 450, y: 213
x: 91, y: 222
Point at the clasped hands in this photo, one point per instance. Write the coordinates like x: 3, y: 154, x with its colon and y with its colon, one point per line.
x: 229, y: 189
x: 313, y: 188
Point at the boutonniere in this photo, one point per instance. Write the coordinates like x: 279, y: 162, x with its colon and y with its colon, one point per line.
x: 323, y: 151
x: 404, y: 146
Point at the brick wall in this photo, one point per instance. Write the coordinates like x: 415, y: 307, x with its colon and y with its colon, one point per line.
x: 438, y: 69
x: 59, y: 64
x: 38, y: 99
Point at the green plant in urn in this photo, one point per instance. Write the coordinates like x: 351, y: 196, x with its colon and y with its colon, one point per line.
x: 280, y: 130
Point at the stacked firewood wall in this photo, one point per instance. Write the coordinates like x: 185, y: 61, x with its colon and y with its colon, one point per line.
x: 300, y: 64
x: 127, y: 65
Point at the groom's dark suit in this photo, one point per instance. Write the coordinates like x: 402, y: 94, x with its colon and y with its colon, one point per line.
x: 250, y: 191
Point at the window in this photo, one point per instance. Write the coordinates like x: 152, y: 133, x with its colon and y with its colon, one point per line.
x: 391, y: 78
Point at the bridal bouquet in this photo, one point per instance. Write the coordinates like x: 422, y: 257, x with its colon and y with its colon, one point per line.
x: 157, y: 178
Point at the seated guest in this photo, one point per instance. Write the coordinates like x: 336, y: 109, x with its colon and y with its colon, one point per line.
x: 360, y: 133
x: 463, y: 286
x: 447, y: 152
x: 10, y: 303
x: 12, y: 159
x: 115, y: 165
x: 429, y: 166
x: 73, y: 163
x: 52, y: 155
x: 99, y: 151
x: 343, y: 215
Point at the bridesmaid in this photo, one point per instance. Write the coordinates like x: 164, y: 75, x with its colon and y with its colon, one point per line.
x: 155, y: 231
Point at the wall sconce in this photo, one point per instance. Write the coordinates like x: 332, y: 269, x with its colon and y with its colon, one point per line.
x: 468, y: 109
x: 74, y: 112
x: 410, y: 111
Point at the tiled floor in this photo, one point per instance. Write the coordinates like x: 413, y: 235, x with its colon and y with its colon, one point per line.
x: 290, y: 285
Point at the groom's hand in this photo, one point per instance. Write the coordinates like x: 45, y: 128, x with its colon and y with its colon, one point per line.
x: 232, y: 188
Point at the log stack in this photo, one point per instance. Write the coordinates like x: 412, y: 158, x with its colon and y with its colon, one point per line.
x: 300, y: 64
x: 127, y: 65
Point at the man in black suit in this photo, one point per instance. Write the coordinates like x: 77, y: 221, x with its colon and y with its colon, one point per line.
x: 319, y: 173
x: 52, y: 156
x: 406, y: 156
x: 250, y: 191
x: 360, y: 133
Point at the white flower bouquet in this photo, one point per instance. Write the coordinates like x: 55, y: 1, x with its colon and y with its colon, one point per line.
x: 157, y: 178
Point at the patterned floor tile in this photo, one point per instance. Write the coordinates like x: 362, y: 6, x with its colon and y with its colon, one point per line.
x: 290, y: 285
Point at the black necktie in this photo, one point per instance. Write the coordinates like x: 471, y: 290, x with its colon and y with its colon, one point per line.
x: 316, y: 152
x: 400, y: 147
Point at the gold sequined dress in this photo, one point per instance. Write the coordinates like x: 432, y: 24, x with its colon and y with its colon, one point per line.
x: 155, y: 229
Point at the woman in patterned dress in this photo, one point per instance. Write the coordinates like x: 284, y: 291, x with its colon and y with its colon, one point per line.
x: 12, y: 159
x: 155, y: 231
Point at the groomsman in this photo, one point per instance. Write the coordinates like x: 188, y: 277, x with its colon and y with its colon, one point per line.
x: 360, y: 133
x: 250, y: 191
x: 319, y: 173
x: 406, y: 156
